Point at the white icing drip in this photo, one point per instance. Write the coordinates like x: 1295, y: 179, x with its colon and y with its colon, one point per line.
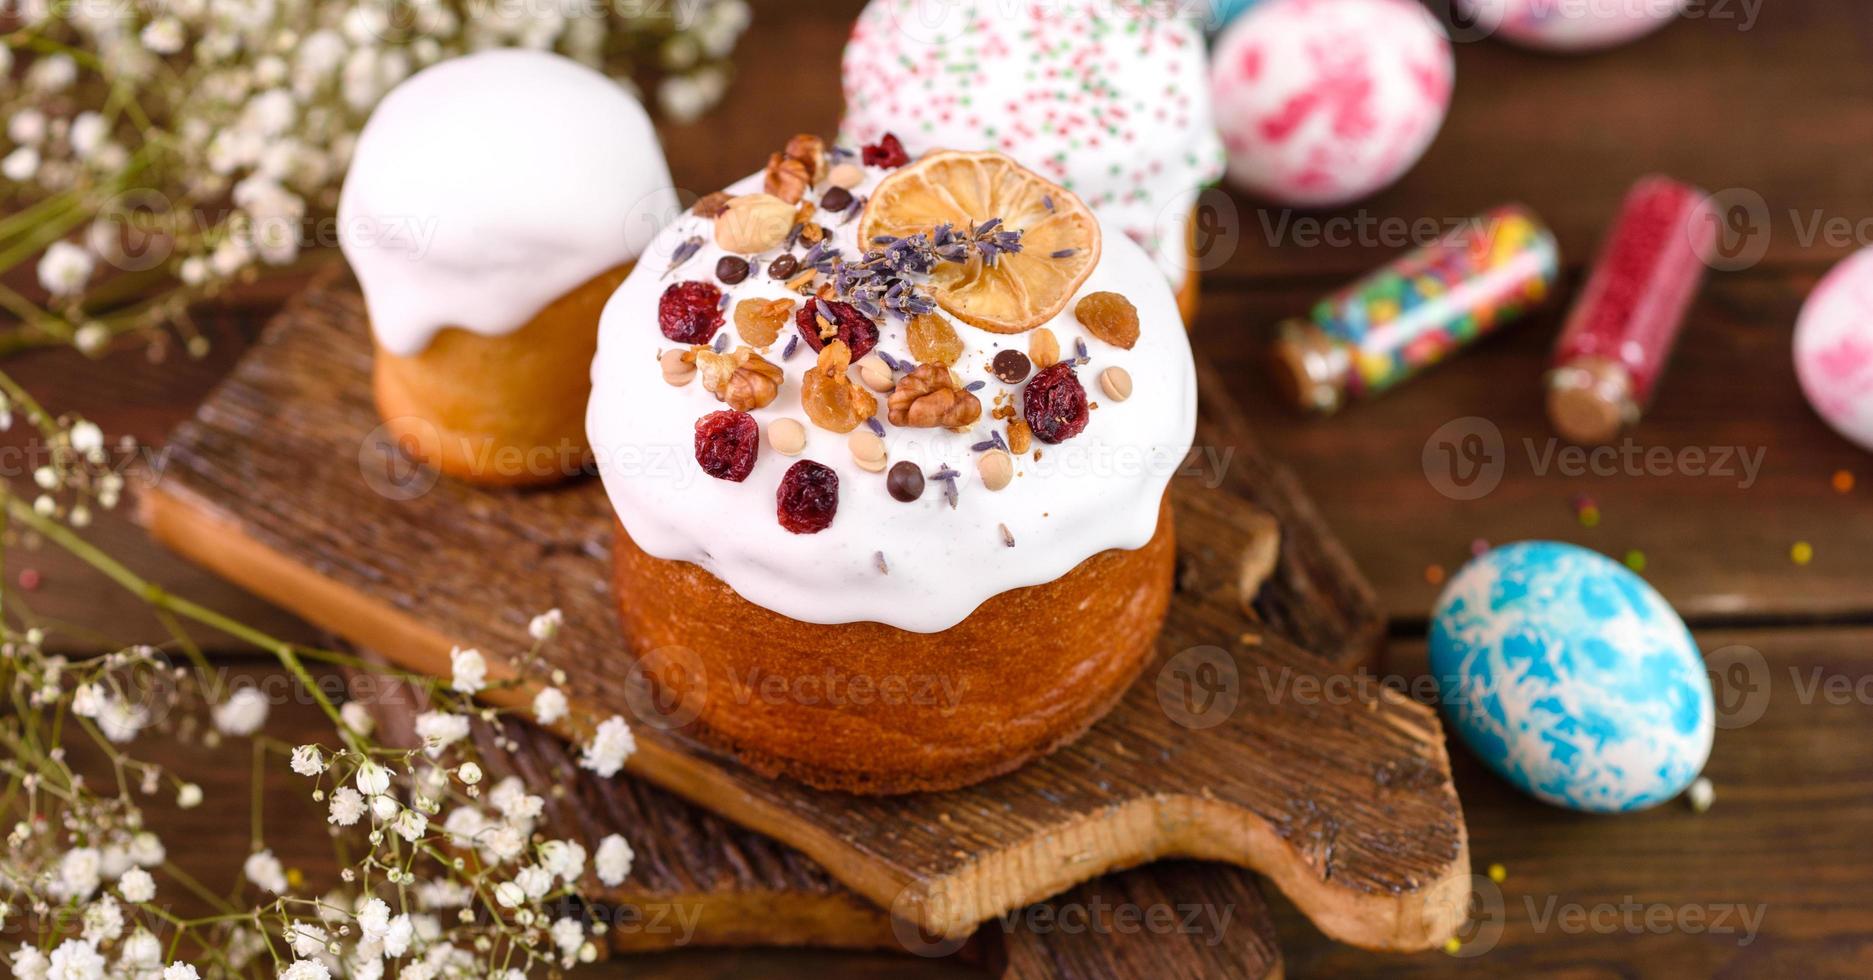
x: 1032, y: 84
x: 1096, y: 491
x: 487, y: 186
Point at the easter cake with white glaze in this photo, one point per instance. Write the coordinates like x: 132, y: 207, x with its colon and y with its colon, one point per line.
x: 889, y: 445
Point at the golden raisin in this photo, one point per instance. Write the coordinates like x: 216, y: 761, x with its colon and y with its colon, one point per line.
x: 1020, y: 437
x: 934, y: 341
x: 830, y: 398
x: 1110, y: 317
x: 759, y: 320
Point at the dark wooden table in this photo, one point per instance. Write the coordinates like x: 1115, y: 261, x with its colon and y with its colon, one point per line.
x: 1782, y: 107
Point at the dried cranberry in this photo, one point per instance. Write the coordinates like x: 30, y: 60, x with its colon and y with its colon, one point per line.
x: 1054, y: 404
x: 808, y: 497
x: 855, y: 328
x: 887, y: 152
x: 726, y: 444
x: 690, y: 312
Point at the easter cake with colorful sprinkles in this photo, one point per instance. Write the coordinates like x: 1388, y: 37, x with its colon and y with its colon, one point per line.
x: 889, y: 442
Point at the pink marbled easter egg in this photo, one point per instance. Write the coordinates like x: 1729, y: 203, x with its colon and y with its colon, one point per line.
x: 1570, y: 25
x: 1321, y: 102
x: 1834, y: 348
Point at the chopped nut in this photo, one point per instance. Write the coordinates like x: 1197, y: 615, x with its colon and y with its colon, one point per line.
x: 934, y: 341
x: 1110, y: 317
x: 811, y: 151
x: 1116, y: 382
x: 753, y: 223
x: 1020, y: 437
x: 930, y: 397
x: 1043, y: 348
x: 742, y: 379
x: 830, y: 398
x: 847, y: 175
x: 803, y: 283
x: 759, y: 321
x: 787, y: 436
x: 996, y: 468
x: 876, y: 374
x: 786, y: 179
x: 1259, y: 557
x: 710, y: 205
x: 867, y: 450
x: 679, y: 366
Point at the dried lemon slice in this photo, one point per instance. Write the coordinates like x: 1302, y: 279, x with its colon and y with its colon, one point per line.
x: 1020, y: 290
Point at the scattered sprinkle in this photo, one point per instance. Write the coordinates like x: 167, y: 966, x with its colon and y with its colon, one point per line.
x: 1589, y: 516
x: 1701, y: 795
x: 1498, y: 873
x: 1434, y: 574
x: 1479, y: 547
x: 1802, y: 553
x: 29, y: 579
x: 1008, y: 537
x: 1843, y: 481
x: 1635, y: 560
x: 1453, y: 945
x: 877, y: 558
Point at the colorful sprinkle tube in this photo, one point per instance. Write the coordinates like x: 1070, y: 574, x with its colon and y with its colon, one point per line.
x: 1418, y: 310
x: 1622, y: 328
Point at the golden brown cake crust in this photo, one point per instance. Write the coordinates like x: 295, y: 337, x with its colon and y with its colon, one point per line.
x: 507, y: 410
x: 868, y: 708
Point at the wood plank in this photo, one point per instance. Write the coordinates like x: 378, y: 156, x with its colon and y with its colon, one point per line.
x: 1373, y: 850
x: 1717, y: 546
x: 1785, y: 839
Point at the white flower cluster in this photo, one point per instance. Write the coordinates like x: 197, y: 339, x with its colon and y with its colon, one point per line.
x: 409, y: 907
x: 217, y: 143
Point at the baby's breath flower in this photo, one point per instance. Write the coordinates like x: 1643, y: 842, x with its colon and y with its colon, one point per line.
x: 468, y: 773
x: 164, y: 35
x: 549, y: 705
x: 509, y: 895
x: 611, y: 745
x: 20, y: 165
x: 410, y: 825
x: 613, y: 861
x: 53, y: 74
x: 87, y: 134
x: 137, y: 886
x: 439, y: 730
x: 546, y: 625
x: 265, y: 870
x: 76, y: 959
x: 372, y: 779
x: 28, y: 127
x: 469, y: 670
x: 307, y: 761
x: 180, y: 971
x: 189, y: 796
x: 347, y: 807
x: 306, y: 970
x: 64, y: 269
x: 357, y: 718
x: 242, y: 713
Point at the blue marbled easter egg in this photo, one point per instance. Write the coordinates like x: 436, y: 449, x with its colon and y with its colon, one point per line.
x: 1572, y: 678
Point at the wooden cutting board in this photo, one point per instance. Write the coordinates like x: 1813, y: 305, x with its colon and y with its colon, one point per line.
x: 698, y: 880
x: 1340, y: 795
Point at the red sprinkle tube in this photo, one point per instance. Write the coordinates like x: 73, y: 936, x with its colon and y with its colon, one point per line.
x: 1621, y: 330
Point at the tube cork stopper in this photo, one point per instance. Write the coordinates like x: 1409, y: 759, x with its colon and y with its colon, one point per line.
x: 1307, y: 368
x: 1590, y: 401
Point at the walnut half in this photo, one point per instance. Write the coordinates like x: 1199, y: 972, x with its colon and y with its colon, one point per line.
x: 929, y: 397
x: 742, y: 379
